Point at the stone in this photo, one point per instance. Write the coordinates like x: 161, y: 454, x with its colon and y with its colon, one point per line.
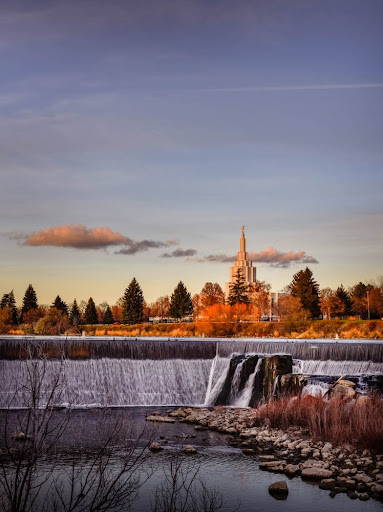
x: 327, y: 484
x: 189, y: 449
x: 20, y: 436
x: 266, y: 458
x: 161, y: 419
x: 363, y: 496
x: 352, y: 495
x: 279, y: 490
x: 292, y: 470
x: 341, y: 391
x: 155, y: 447
x: 316, y: 473
x: 248, y: 451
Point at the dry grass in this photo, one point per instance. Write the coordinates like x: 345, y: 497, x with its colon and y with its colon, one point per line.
x: 359, y: 422
x: 350, y: 329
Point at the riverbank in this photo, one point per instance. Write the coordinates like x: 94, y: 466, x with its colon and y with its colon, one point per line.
x: 297, y: 451
x: 310, y: 329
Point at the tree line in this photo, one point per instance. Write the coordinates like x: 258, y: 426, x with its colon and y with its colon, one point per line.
x: 301, y: 299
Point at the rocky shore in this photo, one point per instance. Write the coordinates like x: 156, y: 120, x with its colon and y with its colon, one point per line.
x: 338, y: 469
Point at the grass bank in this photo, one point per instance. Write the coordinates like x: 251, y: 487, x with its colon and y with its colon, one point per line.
x: 350, y: 329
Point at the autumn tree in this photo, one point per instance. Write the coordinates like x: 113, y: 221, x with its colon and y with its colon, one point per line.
x: 29, y: 300
x: 161, y: 307
x: 306, y: 289
x: 331, y: 304
x: 290, y: 308
x: 239, y: 290
x: 90, y: 315
x: 259, y: 294
x: 54, y: 322
x: 107, y: 317
x: 180, y: 303
x: 60, y: 305
x: 74, y: 314
x: 8, y: 301
x: 133, y: 303
x: 211, y: 294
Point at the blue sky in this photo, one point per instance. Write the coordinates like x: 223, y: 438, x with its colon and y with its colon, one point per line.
x: 181, y: 121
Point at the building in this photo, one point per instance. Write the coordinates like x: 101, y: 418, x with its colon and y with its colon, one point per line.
x: 243, y: 263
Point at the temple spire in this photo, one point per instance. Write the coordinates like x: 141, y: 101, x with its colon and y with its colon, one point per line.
x: 242, y: 243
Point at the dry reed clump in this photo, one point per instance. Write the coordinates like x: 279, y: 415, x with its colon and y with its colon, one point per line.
x: 359, y: 422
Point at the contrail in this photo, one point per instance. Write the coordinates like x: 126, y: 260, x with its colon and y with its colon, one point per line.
x: 313, y: 87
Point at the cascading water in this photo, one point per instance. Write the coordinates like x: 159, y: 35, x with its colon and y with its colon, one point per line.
x: 120, y: 372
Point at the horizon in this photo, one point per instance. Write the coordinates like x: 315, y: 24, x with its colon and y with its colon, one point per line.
x: 137, y: 139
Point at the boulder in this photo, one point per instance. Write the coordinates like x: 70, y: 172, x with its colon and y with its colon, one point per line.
x: 292, y: 470
x: 155, y: 447
x: 160, y: 419
x: 327, y: 484
x: 343, y: 391
x: 316, y: 473
x: 279, y: 490
x: 189, y: 449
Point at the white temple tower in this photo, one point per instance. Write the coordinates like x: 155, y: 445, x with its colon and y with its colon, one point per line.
x: 243, y: 263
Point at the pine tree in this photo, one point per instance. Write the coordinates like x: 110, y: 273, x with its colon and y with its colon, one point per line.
x: 90, y: 316
x: 74, y: 314
x: 181, y: 302
x: 306, y: 289
x: 346, y: 300
x: 8, y: 301
x: 239, y: 291
x: 29, y: 300
x: 60, y: 305
x: 107, y: 316
x: 133, y: 304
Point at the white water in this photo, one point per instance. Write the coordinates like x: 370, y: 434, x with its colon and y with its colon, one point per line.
x: 110, y: 382
x: 338, y: 368
x: 243, y: 399
x: 124, y: 381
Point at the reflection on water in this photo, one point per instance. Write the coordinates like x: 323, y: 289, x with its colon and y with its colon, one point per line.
x: 235, y: 477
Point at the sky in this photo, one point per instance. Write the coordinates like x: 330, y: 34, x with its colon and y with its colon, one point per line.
x: 137, y: 137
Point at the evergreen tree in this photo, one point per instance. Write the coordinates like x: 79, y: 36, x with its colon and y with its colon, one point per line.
x: 306, y: 289
x: 346, y: 300
x: 29, y: 300
x: 133, y: 304
x: 359, y: 299
x: 107, y: 316
x: 181, y: 302
x: 90, y: 316
x: 60, y: 305
x: 74, y: 314
x: 238, y: 290
x: 8, y: 301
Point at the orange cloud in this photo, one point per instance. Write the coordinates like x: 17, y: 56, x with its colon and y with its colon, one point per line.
x: 78, y: 236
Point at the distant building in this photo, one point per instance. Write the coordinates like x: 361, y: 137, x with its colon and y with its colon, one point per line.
x: 243, y: 263
x: 249, y: 273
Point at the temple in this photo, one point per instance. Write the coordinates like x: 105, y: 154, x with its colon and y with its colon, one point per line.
x: 243, y: 263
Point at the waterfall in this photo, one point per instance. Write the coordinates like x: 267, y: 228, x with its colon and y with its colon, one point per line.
x: 330, y: 367
x: 244, y: 398
x: 124, y: 372
x: 110, y: 382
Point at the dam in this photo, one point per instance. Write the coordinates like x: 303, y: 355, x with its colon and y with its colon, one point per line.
x: 107, y: 371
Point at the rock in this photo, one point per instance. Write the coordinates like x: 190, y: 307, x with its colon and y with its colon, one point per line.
x: 343, y: 391
x: 276, y: 466
x: 348, y: 483
x: 155, y: 447
x: 200, y: 427
x: 377, y: 489
x: 20, y: 436
x: 363, y: 496
x: 279, y: 490
x: 266, y: 458
x: 161, y: 419
x: 316, y: 473
x: 292, y: 470
x: 352, y: 495
x: 248, y: 451
x: 327, y: 484
x: 189, y: 449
